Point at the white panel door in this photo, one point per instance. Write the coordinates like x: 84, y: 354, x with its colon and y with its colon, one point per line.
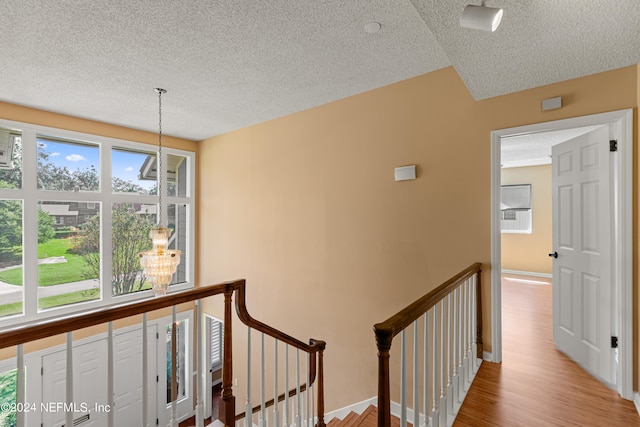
x: 582, y: 273
x: 89, y: 385
x: 54, y: 374
x: 128, y: 377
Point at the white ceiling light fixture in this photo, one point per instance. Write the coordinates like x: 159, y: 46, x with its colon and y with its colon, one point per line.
x: 481, y: 17
x: 160, y: 263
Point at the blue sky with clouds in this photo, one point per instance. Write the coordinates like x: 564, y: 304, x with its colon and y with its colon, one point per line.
x: 125, y: 164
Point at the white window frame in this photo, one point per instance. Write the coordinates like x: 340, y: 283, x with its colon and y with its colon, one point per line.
x: 520, y: 220
x: 30, y: 196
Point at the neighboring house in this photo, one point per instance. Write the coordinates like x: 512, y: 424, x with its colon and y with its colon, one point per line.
x: 70, y: 214
x: 63, y: 216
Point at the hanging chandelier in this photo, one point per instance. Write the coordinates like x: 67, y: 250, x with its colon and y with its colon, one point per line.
x: 160, y: 262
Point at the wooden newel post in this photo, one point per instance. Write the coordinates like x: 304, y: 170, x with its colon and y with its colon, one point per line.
x: 228, y: 407
x: 383, y: 341
x: 320, y: 356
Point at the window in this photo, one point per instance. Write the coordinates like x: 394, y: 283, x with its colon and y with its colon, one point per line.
x: 76, y: 212
x: 515, y: 209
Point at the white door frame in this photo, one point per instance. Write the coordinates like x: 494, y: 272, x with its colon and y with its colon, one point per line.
x: 623, y: 247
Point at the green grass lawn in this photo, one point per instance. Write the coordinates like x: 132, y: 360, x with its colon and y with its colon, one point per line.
x: 70, y: 298
x: 54, y: 247
x: 55, y: 301
x: 11, y: 309
x: 73, y: 270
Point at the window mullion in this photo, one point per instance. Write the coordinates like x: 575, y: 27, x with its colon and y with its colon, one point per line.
x: 30, y: 223
x: 106, y: 228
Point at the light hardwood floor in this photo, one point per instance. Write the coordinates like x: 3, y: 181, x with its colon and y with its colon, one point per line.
x: 537, y: 385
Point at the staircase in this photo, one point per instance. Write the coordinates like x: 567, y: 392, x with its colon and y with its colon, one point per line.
x: 368, y: 418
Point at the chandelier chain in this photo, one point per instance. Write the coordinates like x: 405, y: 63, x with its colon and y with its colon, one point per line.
x: 159, y: 171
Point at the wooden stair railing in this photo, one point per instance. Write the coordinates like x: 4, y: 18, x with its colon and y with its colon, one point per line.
x: 20, y: 334
x: 465, y: 288
x: 315, y: 350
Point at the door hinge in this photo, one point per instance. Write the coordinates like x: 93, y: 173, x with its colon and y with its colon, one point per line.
x: 613, y: 145
x: 41, y: 370
x: 614, y: 342
x: 157, y: 421
x: 157, y: 335
x: 157, y: 378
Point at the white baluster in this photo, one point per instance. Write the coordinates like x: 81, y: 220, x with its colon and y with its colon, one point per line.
x: 20, y: 385
x: 313, y: 405
x: 69, y: 385
x: 416, y: 376
x: 474, y: 313
x: 449, y: 356
x: 467, y: 335
x: 145, y: 374
x: 248, y: 411
x: 453, y: 398
x: 174, y: 366
x: 403, y: 379
x: 425, y: 369
x: 435, y: 414
x: 285, y: 421
x: 461, y: 343
x: 110, y: 374
x: 307, y: 394
x: 454, y: 350
x: 263, y: 409
x: 276, y: 412
x: 200, y: 366
x: 444, y: 371
x: 298, y: 397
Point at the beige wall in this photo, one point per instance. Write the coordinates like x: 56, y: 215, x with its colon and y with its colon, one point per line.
x: 529, y: 252
x: 305, y: 207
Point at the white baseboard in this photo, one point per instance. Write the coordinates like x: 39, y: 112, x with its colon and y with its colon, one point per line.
x: 487, y: 356
x: 396, y: 409
x: 527, y: 273
x: 636, y: 401
x: 358, y: 408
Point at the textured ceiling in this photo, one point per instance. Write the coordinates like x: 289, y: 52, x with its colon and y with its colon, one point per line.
x: 535, y: 148
x: 229, y: 64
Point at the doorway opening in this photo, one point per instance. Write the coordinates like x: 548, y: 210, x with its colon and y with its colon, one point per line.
x: 620, y: 124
